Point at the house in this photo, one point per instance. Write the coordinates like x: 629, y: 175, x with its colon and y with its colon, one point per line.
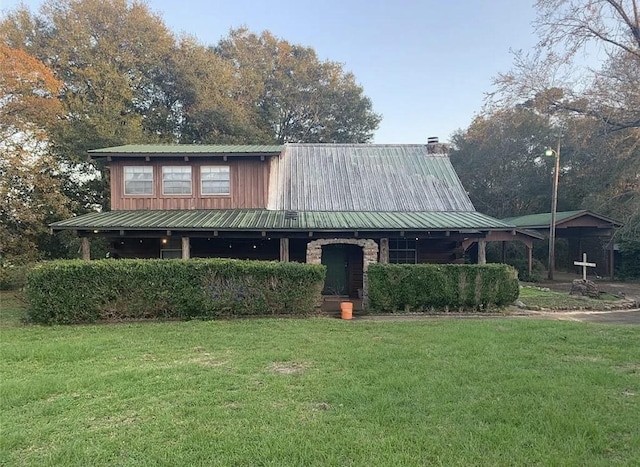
x: 342, y: 205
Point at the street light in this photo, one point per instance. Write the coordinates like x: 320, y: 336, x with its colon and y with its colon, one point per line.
x: 554, y: 207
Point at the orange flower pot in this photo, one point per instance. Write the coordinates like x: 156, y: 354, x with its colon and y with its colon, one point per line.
x: 346, y: 310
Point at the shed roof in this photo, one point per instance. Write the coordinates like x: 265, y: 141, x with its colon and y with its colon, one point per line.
x: 543, y: 220
x: 262, y: 219
x: 365, y: 177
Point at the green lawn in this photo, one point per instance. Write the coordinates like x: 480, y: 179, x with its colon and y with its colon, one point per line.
x: 319, y: 392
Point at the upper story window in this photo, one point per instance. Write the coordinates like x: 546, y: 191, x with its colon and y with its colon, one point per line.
x: 215, y: 180
x: 176, y: 180
x: 138, y: 180
x: 402, y: 251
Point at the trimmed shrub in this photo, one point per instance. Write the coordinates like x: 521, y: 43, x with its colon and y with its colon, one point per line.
x: 74, y: 291
x: 426, y: 287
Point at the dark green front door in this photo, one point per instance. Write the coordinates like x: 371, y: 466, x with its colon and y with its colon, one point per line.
x: 334, y: 257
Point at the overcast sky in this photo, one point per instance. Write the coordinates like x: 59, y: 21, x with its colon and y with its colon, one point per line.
x: 425, y: 64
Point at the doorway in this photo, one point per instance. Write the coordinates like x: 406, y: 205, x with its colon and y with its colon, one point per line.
x: 334, y: 257
x: 344, y: 264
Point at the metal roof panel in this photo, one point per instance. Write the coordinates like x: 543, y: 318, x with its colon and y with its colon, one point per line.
x: 262, y: 219
x: 365, y: 177
x: 180, y: 149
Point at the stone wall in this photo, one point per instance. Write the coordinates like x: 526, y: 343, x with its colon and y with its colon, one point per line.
x: 369, y: 256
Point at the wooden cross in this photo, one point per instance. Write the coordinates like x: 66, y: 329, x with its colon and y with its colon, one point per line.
x: 584, y: 265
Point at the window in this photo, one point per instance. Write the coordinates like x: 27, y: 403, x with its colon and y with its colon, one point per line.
x: 402, y: 251
x: 215, y: 180
x: 138, y: 180
x: 176, y: 180
x: 170, y: 253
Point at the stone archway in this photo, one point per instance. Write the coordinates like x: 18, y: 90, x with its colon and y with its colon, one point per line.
x: 369, y: 256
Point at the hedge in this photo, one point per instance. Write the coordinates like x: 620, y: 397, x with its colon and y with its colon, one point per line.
x: 427, y: 287
x: 78, y: 291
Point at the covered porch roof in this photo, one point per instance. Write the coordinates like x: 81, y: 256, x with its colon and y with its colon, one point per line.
x: 568, y: 223
x: 268, y: 220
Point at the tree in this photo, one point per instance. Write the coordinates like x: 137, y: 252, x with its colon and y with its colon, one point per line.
x: 30, y: 188
x: 107, y: 53
x: 555, y: 75
x: 600, y: 100
x: 297, y: 97
x: 500, y: 161
x: 212, y: 102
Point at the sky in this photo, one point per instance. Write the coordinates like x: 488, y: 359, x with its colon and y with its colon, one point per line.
x: 425, y: 64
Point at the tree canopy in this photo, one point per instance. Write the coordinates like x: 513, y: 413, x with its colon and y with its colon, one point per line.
x: 560, y: 91
x: 30, y: 186
x: 297, y: 97
x: 85, y: 74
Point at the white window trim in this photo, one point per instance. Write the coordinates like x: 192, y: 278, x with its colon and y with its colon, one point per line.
x: 190, y: 180
x: 124, y: 181
x: 202, y: 181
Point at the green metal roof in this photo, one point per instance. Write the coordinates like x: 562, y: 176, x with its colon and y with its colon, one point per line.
x: 543, y: 220
x: 189, y: 149
x: 262, y: 219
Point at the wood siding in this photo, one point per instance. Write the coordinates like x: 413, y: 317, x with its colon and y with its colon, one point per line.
x: 249, y: 186
x: 440, y: 251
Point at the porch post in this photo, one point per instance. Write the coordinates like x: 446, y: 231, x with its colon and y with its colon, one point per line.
x: 482, y: 251
x: 504, y: 252
x: 86, y: 249
x: 186, y: 248
x: 384, y: 250
x: 530, y: 257
x: 612, y: 255
x: 284, y: 250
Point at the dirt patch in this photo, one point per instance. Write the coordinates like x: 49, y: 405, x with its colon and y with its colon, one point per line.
x: 288, y: 368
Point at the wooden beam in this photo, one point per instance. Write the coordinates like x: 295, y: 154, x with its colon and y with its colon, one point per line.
x: 86, y: 249
x: 168, y: 233
x: 284, y: 250
x: 186, y: 248
x: 482, y: 251
x: 224, y: 158
x: 186, y: 158
x: 384, y: 250
x: 147, y: 158
x: 262, y: 158
x: 530, y: 258
x: 612, y: 254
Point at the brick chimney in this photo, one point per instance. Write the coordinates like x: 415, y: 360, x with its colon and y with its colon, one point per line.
x: 435, y: 147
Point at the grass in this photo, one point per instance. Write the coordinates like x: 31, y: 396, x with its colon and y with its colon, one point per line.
x: 319, y: 392
x: 11, y: 309
x: 533, y: 296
